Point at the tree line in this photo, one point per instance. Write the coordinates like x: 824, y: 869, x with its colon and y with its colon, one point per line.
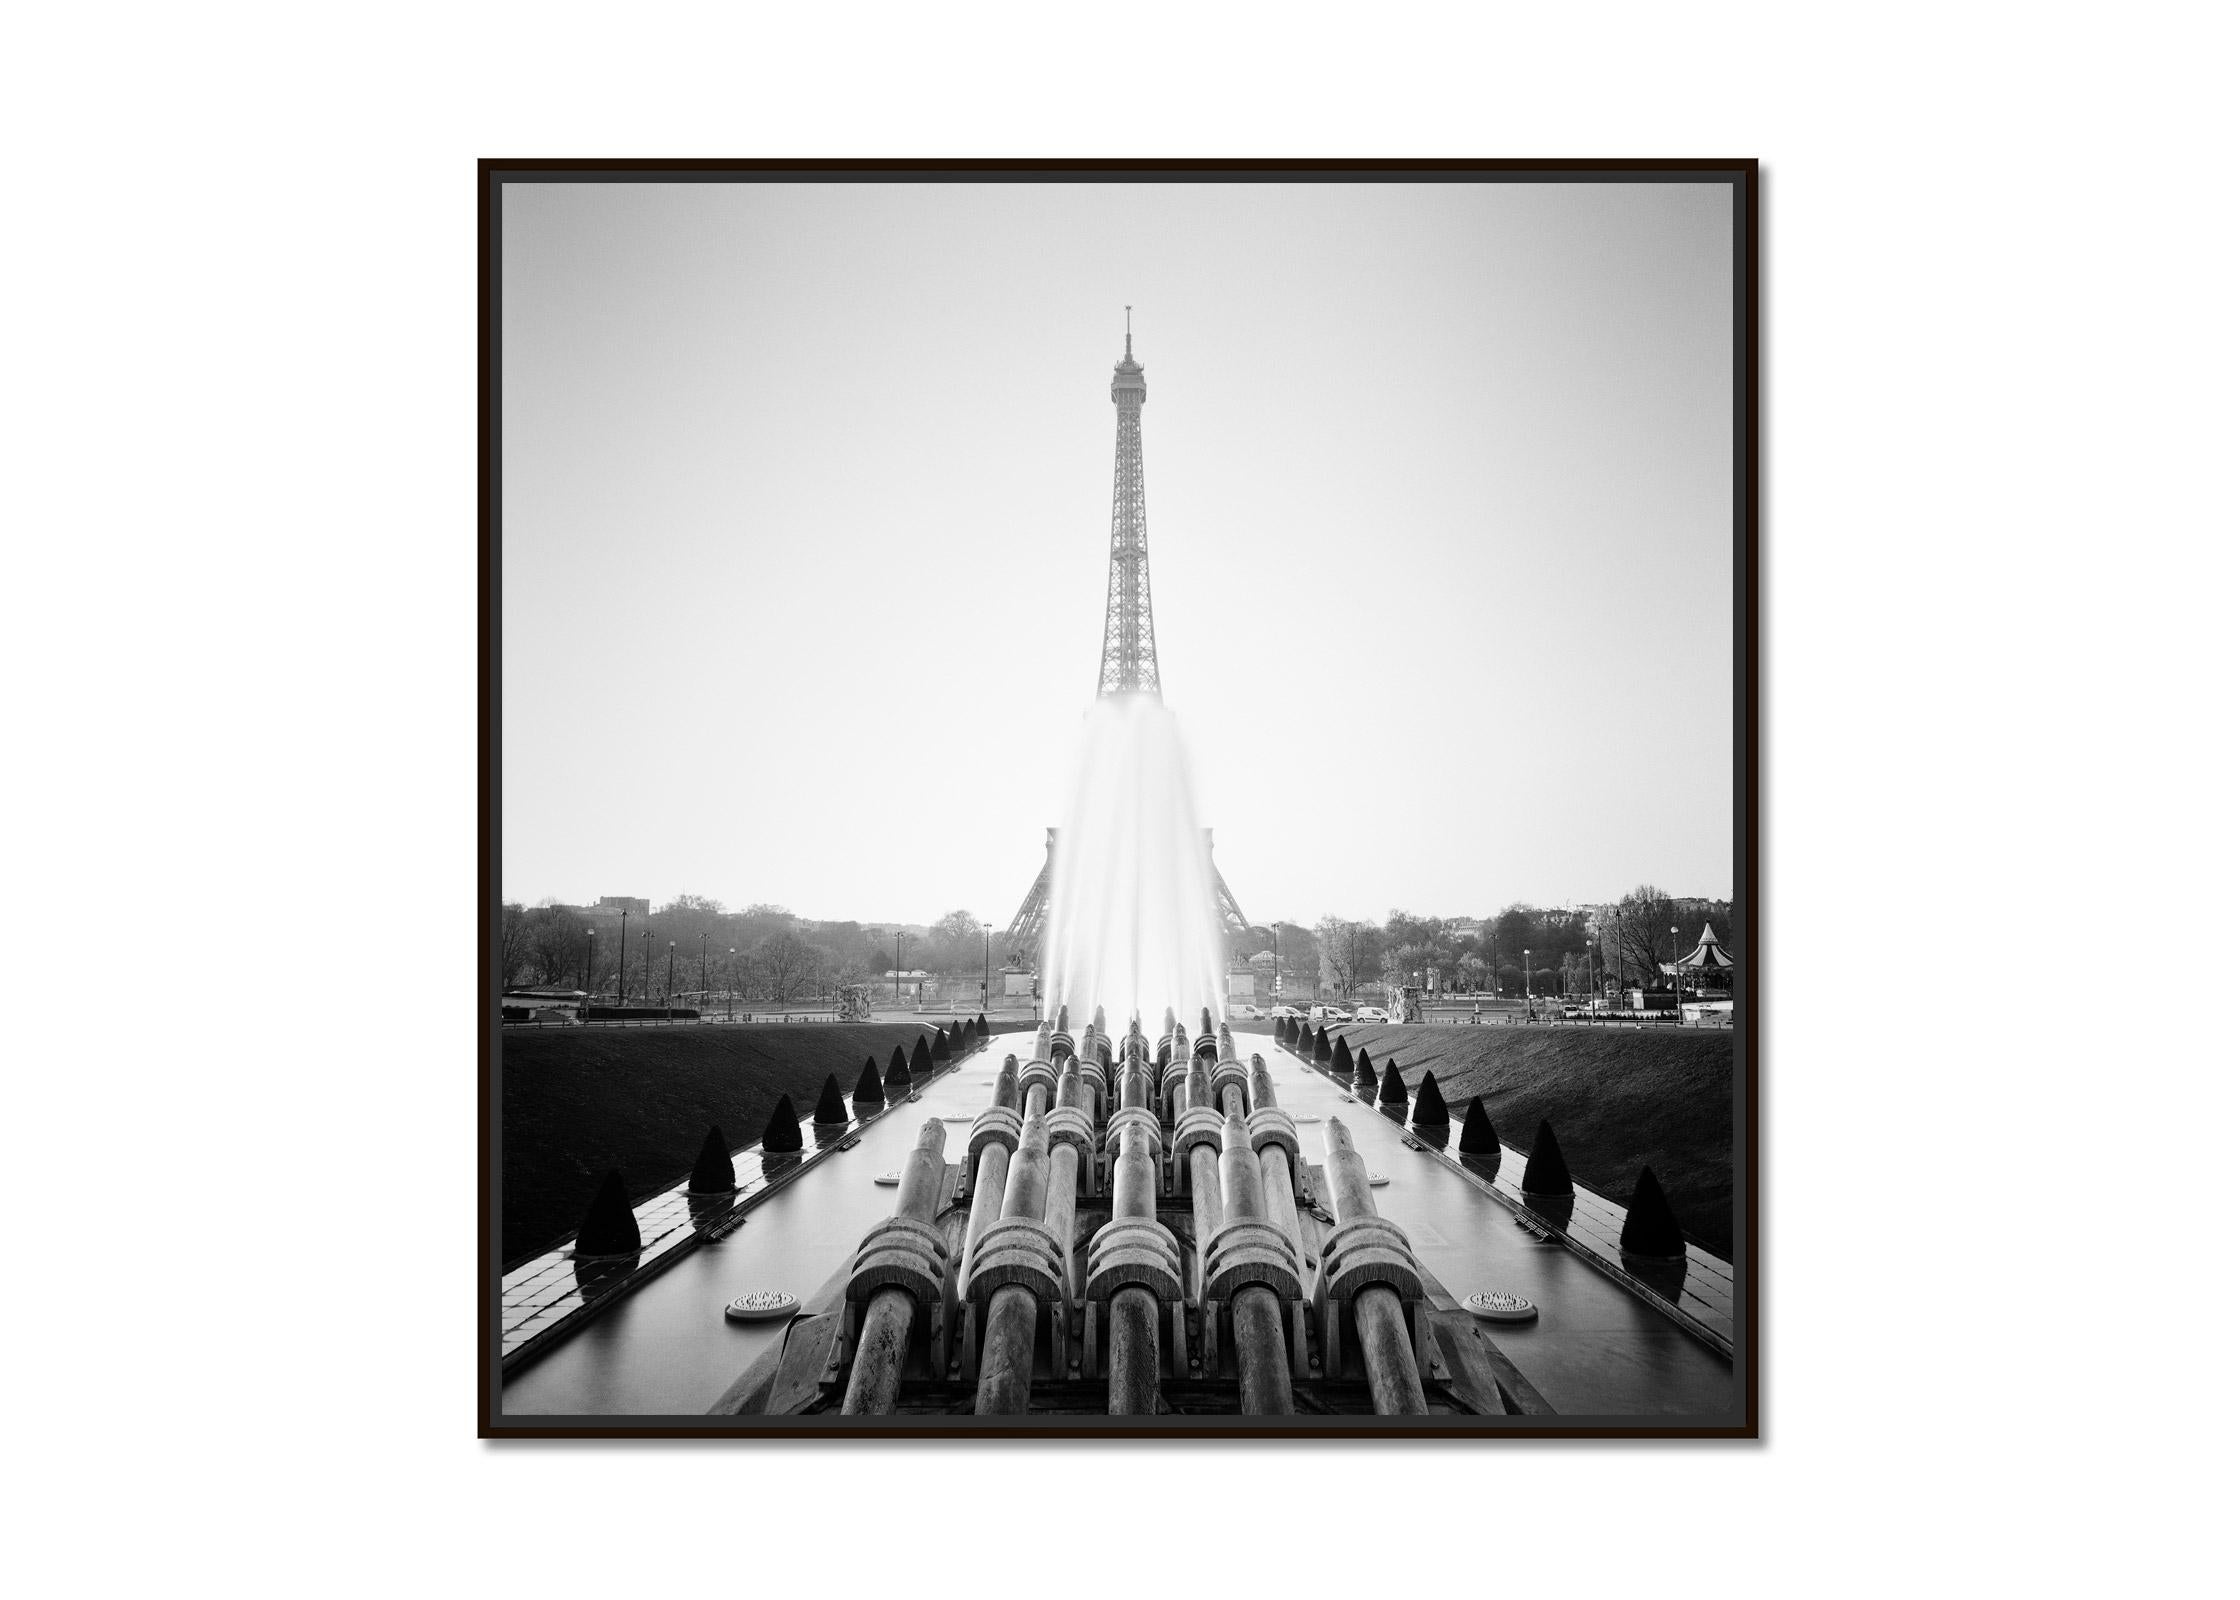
x: 763, y: 953
x: 1571, y: 951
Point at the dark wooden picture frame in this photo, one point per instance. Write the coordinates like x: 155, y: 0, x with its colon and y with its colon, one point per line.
x: 1742, y: 1422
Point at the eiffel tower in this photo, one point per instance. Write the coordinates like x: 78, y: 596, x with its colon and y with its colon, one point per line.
x: 1130, y: 663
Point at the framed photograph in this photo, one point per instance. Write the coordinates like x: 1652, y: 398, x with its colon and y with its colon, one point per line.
x: 1119, y: 798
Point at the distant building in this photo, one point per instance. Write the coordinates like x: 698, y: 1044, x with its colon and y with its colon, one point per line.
x: 628, y: 904
x: 921, y: 987
x: 543, y: 1004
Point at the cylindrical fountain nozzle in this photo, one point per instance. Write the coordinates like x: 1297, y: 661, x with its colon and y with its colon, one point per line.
x: 1369, y: 1271
x: 900, y: 1268
x: 1017, y: 1269
x: 1252, y: 1266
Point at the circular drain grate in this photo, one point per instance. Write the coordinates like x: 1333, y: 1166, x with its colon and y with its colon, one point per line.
x: 762, y: 1305
x: 1501, y: 1307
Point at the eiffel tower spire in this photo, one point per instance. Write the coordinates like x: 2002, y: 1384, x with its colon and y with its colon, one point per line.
x: 1131, y: 652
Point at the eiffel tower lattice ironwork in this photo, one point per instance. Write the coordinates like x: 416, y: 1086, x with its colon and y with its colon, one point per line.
x: 1131, y: 649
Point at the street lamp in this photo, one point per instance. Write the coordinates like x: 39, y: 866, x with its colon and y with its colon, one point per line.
x: 987, y: 950
x: 590, y: 943
x: 645, y: 949
x: 898, y: 967
x: 669, y: 984
x: 703, y: 966
x: 731, y: 992
x: 1528, y: 983
x: 622, y: 963
x: 1676, y: 972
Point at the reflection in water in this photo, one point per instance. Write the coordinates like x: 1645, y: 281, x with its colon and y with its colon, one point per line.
x: 776, y: 1164
x: 597, y: 1274
x: 1486, y: 1167
x: 1665, y: 1274
x: 708, y: 1210
x: 1554, y: 1210
x: 1436, y: 1134
x: 828, y: 1134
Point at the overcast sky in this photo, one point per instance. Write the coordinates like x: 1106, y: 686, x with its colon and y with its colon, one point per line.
x: 807, y: 493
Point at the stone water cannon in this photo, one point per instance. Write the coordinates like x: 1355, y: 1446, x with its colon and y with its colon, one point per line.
x: 1040, y: 1073
x: 995, y: 1130
x: 1059, y: 1045
x: 898, y: 1301
x: 1073, y: 1146
x: 1174, y: 1078
x: 1253, y: 1298
x: 1134, y: 1282
x: 1133, y: 1111
x: 1194, y: 1155
x: 1229, y: 1074
x: 1207, y: 1043
x: 1095, y: 1060
x: 1275, y: 1140
x: 1014, y: 1283
x: 1368, y: 1294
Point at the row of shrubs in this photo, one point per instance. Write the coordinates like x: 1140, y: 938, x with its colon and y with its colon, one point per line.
x: 1652, y: 1230
x: 610, y: 1227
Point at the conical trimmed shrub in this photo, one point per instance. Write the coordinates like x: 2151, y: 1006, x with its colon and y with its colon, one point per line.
x: 609, y: 1228
x: 980, y: 1025
x: 898, y: 1070
x: 1478, y: 1135
x: 868, y: 1088
x: 1322, y: 1047
x: 1651, y: 1229
x: 941, y: 1044
x: 1546, y: 1172
x: 1392, y: 1092
x: 1339, y: 1054
x: 1365, y: 1071
x: 1431, y: 1105
x: 712, y: 1173
x: 830, y: 1107
x: 783, y: 1133
x: 921, y: 1058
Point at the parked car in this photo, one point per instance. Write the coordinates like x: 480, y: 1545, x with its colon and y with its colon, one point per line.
x: 1293, y: 1012
x: 1329, y: 1014
x: 1372, y: 1014
x: 1251, y: 1013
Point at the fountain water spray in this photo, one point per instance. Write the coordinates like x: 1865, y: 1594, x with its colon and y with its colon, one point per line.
x: 1134, y: 923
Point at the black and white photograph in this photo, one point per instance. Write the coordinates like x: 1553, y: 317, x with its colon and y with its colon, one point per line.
x: 1291, y: 797
x: 1119, y: 800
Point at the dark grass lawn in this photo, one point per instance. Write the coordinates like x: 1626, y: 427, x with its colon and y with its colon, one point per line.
x: 1618, y: 1100
x: 580, y: 1100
